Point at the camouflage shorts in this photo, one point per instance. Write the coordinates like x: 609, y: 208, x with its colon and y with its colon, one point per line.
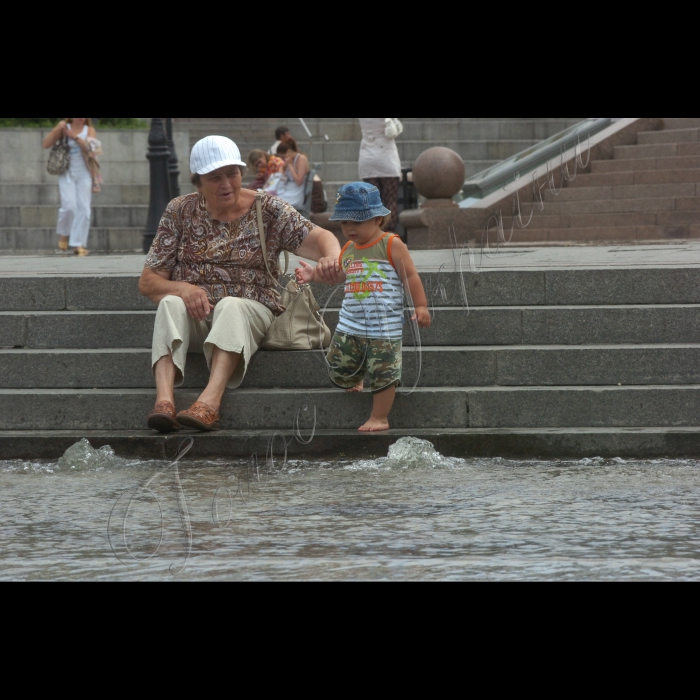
x: 350, y: 358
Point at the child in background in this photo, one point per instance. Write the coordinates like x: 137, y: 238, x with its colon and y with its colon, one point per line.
x: 369, y: 337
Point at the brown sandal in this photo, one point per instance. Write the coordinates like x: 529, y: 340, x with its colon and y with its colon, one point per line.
x: 162, y: 418
x: 200, y: 417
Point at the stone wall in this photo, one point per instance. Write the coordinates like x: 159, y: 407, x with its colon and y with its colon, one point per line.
x: 23, y: 160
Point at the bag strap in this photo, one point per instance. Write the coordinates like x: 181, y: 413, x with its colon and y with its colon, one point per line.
x: 263, y: 241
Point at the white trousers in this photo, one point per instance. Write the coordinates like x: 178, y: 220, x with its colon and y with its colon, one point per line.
x: 74, y: 214
x: 235, y: 325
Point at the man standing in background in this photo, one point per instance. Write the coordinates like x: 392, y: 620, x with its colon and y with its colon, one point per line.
x: 283, y: 135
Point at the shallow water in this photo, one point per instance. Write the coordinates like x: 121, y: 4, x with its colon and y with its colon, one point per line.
x: 474, y: 519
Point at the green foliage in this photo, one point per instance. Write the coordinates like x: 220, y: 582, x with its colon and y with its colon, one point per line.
x: 44, y: 122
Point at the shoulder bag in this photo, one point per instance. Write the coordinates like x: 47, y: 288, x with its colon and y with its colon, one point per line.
x: 394, y: 128
x: 301, y: 326
x: 59, y: 158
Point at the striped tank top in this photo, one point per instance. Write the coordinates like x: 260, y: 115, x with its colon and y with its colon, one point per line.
x: 373, y: 304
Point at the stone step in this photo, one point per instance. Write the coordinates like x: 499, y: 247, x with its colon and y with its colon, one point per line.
x: 647, y: 164
x: 34, y: 194
x: 681, y: 123
x: 666, y: 150
x: 258, y: 409
x: 612, y: 234
x: 124, y: 216
x: 277, y: 409
x: 104, y: 240
x: 578, y: 206
x: 523, y: 443
x: 439, y: 367
x: 634, y: 177
x: 675, y: 190
x: 261, y: 131
x: 668, y: 136
x: 513, y: 287
x: 612, y: 219
x: 561, y: 325
x: 578, y: 407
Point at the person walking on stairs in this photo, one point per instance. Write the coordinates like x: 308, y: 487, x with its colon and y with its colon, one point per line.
x: 207, y: 273
x: 76, y: 186
x: 380, y: 164
x: 376, y: 267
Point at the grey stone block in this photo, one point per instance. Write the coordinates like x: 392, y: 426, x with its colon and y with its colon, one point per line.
x: 623, y: 286
x: 90, y: 330
x: 125, y: 369
x: 598, y: 366
x: 242, y: 410
x: 585, y: 408
x: 610, y: 443
x: 71, y: 369
x: 13, y: 331
x: 105, y: 294
x: 453, y: 327
x: 511, y: 288
x: 32, y: 294
x: 571, y: 443
x: 609, y: 325
x: 483, y: 326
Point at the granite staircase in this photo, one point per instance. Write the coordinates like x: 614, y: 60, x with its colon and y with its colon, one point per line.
x: 547, y: 363
x: 482, y: 142
x: 649, y: 191
x: 29, y: 197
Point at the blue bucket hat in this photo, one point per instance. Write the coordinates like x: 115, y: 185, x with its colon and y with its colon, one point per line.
x: 359, y: 201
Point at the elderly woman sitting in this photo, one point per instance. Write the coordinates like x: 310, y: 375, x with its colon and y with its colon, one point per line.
x: 207, y: 273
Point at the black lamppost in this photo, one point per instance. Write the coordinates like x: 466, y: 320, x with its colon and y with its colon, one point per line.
x: 158, y: 156
x: 173, y: 164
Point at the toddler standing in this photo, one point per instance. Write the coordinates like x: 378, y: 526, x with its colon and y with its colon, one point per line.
x: 369, y: 336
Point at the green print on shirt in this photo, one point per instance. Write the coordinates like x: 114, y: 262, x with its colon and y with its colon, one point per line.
x: 371, y: 266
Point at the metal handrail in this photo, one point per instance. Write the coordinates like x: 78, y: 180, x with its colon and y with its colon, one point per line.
x: 495, y: 177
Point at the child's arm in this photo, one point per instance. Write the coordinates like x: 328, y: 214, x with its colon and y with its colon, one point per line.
x: 404, y: 265
x: 306, y: 274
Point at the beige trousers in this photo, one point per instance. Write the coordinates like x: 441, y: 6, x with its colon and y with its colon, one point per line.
x: 235, y: 325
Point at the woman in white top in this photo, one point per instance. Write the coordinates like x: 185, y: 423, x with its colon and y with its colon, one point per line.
x: 294, y: 189
x: 380, y: 165
x: 75, y: 186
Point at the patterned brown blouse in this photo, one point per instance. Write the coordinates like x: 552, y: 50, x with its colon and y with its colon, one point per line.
x: 225, y: 258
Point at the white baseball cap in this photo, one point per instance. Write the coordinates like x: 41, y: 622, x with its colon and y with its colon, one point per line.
x: 212, y: 153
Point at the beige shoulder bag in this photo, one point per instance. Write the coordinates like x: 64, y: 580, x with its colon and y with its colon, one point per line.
x: 301, y: 326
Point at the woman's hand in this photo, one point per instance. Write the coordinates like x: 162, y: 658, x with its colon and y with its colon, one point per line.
x: 306, y: 273
x: 196, y: 301
x: 329, y: 270
x: 422, y: 315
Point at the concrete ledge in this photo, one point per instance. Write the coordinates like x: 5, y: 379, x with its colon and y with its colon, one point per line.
x: 647, y: 443
x: 591, y: 286
x: 550, y: 325
x: 244, y: 410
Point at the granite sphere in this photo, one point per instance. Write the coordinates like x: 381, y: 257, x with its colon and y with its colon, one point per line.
x: 439, y: 173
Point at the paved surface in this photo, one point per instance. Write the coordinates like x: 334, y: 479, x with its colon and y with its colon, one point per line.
x: 685, y: 254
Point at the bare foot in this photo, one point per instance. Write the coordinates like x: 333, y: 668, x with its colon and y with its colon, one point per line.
x: 375, y: 425
x: 356, y: 389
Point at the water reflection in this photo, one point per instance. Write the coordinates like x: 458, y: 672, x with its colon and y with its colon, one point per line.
x: 378, y: 520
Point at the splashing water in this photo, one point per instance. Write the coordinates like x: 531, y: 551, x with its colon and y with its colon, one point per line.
x: 414, y: 515
x: 417, y: 454
x: 83, y: 457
